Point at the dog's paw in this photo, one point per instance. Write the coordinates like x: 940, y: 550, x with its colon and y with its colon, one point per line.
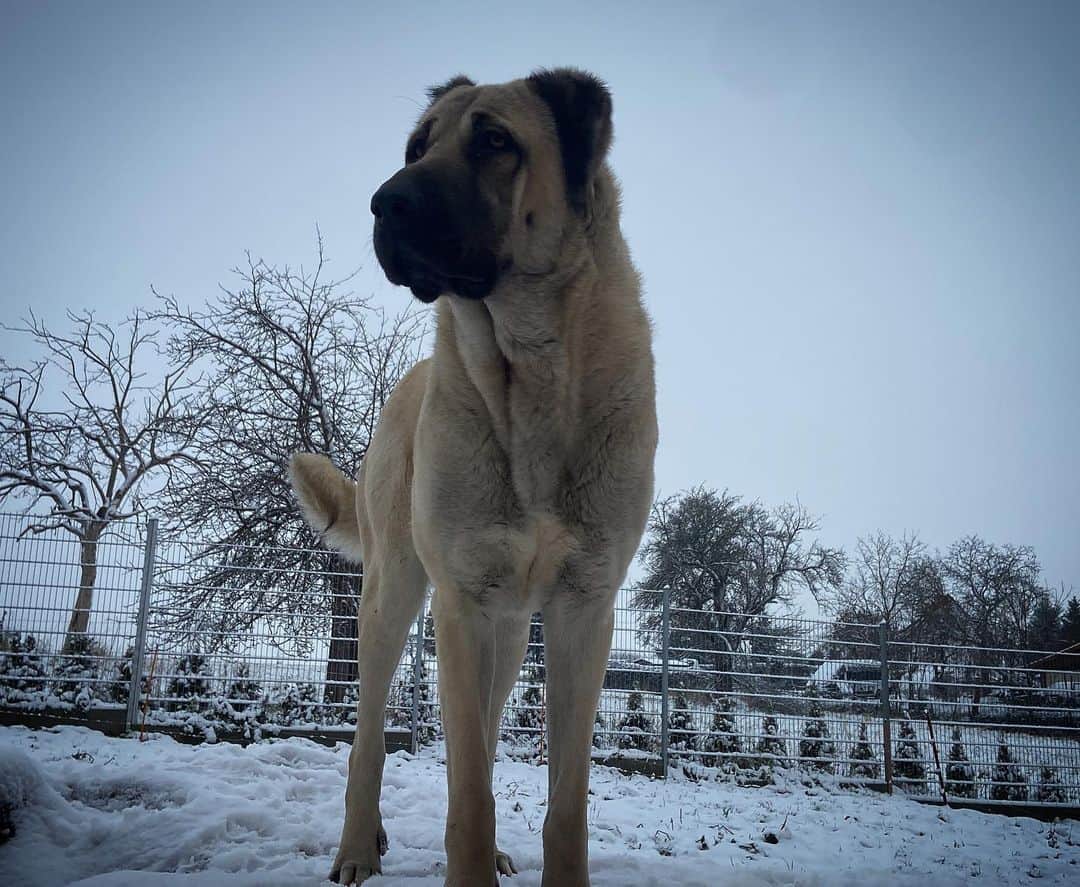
x: 359, y: 860
x: 349, y: 872
x: 504, y: 865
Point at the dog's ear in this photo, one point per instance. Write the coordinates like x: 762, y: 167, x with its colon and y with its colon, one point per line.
x: 581, y: 106
x: 434, y: 93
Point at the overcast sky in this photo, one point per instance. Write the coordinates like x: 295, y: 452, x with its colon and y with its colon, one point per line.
x: 858, y: 223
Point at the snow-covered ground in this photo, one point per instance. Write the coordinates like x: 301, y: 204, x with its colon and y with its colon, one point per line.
x: 105, y: 812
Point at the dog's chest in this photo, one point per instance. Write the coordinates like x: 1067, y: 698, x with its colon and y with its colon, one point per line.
x: 493, y: 482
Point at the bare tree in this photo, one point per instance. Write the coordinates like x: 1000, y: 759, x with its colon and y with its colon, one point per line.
x: 937, y: 618
x: 291, y: 361
x: 883, y: 583
x: 997, y: 589
x: 783, y: 559
x: 726, y: 564
x: 86, y: 438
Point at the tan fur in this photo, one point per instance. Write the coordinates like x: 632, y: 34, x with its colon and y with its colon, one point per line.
x: 513, y: 470
x: 329, y: 502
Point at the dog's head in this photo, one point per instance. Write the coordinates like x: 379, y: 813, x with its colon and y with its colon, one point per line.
x: 494, y: 177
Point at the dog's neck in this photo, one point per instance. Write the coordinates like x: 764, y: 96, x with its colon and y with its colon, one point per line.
x: 515, y: 353
x: 527, y: 349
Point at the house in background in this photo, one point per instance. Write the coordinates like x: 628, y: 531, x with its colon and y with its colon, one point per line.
x: 1060, y: 671
x: 847, y: 677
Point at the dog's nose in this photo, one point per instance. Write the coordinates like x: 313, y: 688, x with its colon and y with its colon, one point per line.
x: 395, y: 201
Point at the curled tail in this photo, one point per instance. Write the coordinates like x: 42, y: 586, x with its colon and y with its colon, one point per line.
x: 329, y: 502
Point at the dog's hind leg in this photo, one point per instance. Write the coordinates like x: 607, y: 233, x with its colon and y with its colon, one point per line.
x: 393, y: 592
x: 392, y: 596
x: 371, y: 519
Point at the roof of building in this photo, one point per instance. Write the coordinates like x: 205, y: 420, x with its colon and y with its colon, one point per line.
x: 1063, y: 660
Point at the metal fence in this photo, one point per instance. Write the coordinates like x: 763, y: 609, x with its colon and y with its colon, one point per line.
x: 43, y: 663
x: 231, y: 641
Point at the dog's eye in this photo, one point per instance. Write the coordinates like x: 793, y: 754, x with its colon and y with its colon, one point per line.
x: 416, y: 150
x: 496, y: 140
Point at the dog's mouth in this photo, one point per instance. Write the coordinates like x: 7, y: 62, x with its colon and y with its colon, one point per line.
x: 404, y: 266
x: 428, y: 283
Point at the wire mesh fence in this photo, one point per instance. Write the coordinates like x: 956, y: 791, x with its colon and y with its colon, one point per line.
x: 233, y: 641
x: 251, y: 637
x: 54, y: 582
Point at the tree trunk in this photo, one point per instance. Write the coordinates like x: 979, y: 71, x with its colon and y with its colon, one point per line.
x: 344, y: 606
x: 84, y: 600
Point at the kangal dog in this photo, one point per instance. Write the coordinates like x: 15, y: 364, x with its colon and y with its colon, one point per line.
x: 513, y: 469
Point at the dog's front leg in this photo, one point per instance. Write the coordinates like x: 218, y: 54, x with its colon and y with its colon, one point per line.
x: 465, y: 642
x: 577, y: 640
x: 511, y: 642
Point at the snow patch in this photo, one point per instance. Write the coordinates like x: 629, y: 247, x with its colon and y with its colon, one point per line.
x: 105, y: 812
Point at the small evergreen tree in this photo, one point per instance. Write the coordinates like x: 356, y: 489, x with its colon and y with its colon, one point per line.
x: 1049, y: 790
x: 771, y: 748
x: 864, y: 763
x: 681, y: 732
x: 959, y: 773
x: 346, y: 712
x: 1070, y: 621
x: 599, y: 734
x: 119, y: 686
x: 722, y: 745
x: 75, y: 671
x: 296, y: 705
x: 400, y: 707
x: 530, y: 712
x: 312, y: 710
x: 635, y: 729
x: 1044, y: 626
x: 816, y: 746
x: 22, y: 672
x: 909, y: 770
x: 242, y: 691
x: 425, y: 712
x: 1008, y: 782
x: 189, y: 686
x: 429, y: 633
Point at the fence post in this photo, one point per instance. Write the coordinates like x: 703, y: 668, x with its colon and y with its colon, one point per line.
x: 149, y: 554
x: 417, y: 672
x: 886, y: 724
x: 665, y: 641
